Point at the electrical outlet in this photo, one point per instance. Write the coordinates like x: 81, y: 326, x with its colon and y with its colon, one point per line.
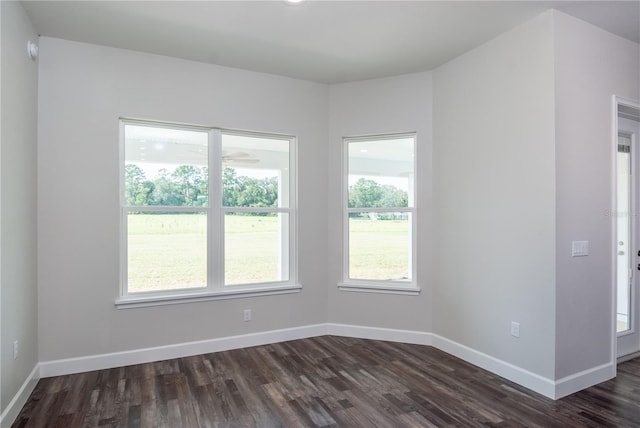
x: 15, y: 349
x: 247, y: 314
x: 515, y: 329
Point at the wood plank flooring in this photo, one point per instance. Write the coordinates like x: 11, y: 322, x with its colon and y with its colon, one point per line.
x: 317, y: 382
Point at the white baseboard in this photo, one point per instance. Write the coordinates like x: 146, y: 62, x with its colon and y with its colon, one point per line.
x: 541, y: 385
x: 547, y: 387
x: 584, y: 379
x: 628, y: 357
x: 377, y: 333
x: 516, y: 374
x: 146, y: 355
x: 8, y: 417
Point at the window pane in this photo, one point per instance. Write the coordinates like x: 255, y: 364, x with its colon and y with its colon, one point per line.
x: 256, y: 248
x: 166, y: 167
x: 255, y: 171
x: 623, y: 223
x: 381, y: 173
x: 166, y: 251
x: 380, y: 246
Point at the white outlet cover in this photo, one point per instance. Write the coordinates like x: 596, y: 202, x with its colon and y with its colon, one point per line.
x: 515, y: 329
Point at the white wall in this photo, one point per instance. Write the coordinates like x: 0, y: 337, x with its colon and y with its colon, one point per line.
x: 513, y: 164
x: 590, y: 66
x: 18, y: 201
x: 494, y: 198
x: 84, y: 89
x: 381, y: 106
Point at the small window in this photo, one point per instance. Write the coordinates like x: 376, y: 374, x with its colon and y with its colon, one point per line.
x: 380, y: 216
x: 206, y: 213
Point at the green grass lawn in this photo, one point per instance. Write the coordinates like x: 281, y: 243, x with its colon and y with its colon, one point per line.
x: 252, y: 249
x: 168, y: 251
x: 379, y: 249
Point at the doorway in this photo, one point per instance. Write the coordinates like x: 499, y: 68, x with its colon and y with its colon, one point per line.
x: 627, y: 245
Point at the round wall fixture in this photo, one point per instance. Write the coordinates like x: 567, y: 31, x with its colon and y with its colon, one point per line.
x: 32, y: 50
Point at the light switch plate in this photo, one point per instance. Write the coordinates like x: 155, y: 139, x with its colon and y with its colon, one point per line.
x: 579, y: 248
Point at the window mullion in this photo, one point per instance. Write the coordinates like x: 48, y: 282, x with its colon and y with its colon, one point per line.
x: 124, y: 231
x: 381, y: 210
x: 254, y: 210
x: 293, y: 208
x: 124, y: 251
x: 215, y: 234
x: 164, y: 208
x: 345, y: 205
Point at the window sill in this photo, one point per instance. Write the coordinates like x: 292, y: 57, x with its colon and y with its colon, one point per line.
x: 411, y: 290
x: 231, y: 293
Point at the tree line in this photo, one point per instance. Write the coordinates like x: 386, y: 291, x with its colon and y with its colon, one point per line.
x: 370, y: 194
x: 187, y: 186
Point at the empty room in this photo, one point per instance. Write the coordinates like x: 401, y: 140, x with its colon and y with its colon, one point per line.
x: 319, y: 213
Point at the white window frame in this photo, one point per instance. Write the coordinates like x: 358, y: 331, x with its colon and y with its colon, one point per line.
x: 215, y: 288
x: 370, y: 285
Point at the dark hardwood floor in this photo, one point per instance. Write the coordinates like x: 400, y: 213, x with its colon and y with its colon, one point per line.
x: 323, y: 381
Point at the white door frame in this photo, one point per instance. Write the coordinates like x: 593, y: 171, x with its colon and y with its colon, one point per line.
x: 617, y: 102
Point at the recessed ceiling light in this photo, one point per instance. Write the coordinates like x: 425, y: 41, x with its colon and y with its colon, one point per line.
x: 294, y: 1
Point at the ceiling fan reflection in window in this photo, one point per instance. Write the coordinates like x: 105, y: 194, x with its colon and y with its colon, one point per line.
x: 238, y: 158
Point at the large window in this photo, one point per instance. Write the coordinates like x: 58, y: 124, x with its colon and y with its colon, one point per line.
x: 379, y: 214
x: 206, y: 213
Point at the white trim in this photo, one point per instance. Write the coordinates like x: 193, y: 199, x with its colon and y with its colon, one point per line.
x: 630, y: 345
x: 232, y: 292
x: 379, y: 333
x: 215, y: 287
x: 386, y: 288
x: 179, y: 350
x: 215, y: 223
x: 412, y: 210
x: 123, y: 223
x: 617, y: 101
x: 614, y: 231
x: 164, y: 209
x: 294, y: 209
x: 379, y: 137
x: 584, y: 379
x: 409, y: 210
x: 628, y: 357
x: 532, y: 381
x: 540, y: 384
x: 12, y: 411
x: 254, y: 210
